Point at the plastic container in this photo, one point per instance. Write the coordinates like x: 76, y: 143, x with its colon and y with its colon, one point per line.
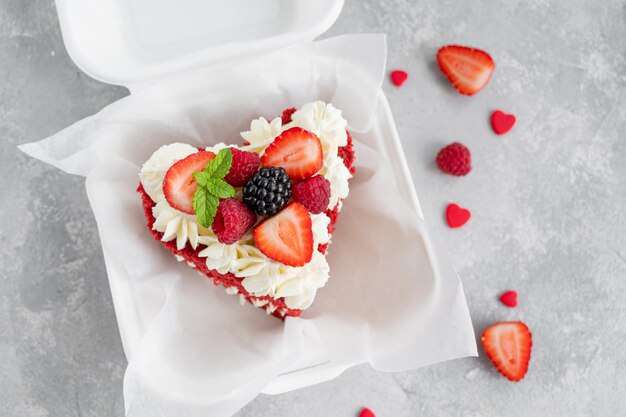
x: 135, y: 43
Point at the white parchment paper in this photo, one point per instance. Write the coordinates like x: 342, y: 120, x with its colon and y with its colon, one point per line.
x: 392, y: 300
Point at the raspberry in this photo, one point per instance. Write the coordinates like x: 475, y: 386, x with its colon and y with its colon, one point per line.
x: 232, y: 220
x: 287, y: 115
x: 244, y: 165
x: 455, y: 159
x: 313, y: 193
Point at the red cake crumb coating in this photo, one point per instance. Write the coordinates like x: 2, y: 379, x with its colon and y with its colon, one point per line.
x: 229, y: 280
x: 286, y: 116
x: 347, y: 154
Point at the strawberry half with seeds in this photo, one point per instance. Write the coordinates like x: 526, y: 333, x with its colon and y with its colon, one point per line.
x: 296, y: 150
x: 179, y: 184
x: 287, y: 237
x: 468, y: 69
x: 508, y: 345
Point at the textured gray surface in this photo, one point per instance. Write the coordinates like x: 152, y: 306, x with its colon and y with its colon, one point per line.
x: 547, y: 202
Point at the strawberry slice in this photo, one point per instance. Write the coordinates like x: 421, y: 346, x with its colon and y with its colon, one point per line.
x: 468, y: 69
x: 286, y: 237
x: 179, y: 183
x: 508, y: 345
x: 296, y: 150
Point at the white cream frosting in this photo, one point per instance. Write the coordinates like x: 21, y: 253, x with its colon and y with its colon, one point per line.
x: 261, y: 134
x: 261, y: 276
x: 154, y: 169
x: 218, y: 255
x: 326, y: 122
x: 320, y: 224
x: 299, y: 292
x: 175, y: 224
x: 218, y: 147
x: 335, y: 171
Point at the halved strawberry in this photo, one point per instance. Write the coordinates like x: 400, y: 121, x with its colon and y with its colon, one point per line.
x: 468, y: 69
x: 286, y: 237
x: 508, y: 345
x: 179, y: 184
x: 296, y: 150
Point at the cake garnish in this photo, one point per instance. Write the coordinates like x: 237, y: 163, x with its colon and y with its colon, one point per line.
x: 267, y: 191
x: 457, y: 216
x: 232, y: 221
x: 508, y: 345
x: 286, y: 237
x: 468, y: 69
x: 296, y: 150
x: 398, y: 77
x: 502, y: 122
x: 179, y: 185
x: 243, y: 167
x: 366, y: 412
x: 211, y: 186
x: 509, y: 298
x: 455, y: 159
x: 313, y: 193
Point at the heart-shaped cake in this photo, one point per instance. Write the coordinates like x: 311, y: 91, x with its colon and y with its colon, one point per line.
x: 256, y: 218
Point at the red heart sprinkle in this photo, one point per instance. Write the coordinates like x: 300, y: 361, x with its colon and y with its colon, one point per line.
x: 501, y: 122
x: 457, y: 216
x: 366, y: 412
x: 398, y: 77
x: 509, y: 299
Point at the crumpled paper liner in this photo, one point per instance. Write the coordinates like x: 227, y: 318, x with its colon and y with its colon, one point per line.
x: 392, y: 300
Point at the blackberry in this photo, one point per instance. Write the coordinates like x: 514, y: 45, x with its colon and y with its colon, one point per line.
x: 267, y: 191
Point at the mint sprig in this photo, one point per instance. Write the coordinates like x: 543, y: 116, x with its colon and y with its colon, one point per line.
x: 212, y: 187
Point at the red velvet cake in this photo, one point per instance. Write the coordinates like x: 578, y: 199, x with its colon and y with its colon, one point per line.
x: 256, y: 218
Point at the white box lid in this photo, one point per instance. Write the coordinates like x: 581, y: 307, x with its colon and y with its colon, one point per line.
x: 131, y: 42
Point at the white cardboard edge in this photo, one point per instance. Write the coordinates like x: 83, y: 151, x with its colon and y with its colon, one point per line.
x: 152, y: 73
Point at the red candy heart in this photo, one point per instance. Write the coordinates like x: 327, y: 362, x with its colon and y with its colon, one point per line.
x: 457, y: 216
x: 398, y: 77
x: 366, y: 412
x: 501, y: 122
x: 509, y: 299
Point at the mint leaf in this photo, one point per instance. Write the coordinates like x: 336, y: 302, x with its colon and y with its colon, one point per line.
x: 205, y: 205
x: 220, y: 165
x: 202, y: 178
x: 220, y: 188
x: 211, y: 187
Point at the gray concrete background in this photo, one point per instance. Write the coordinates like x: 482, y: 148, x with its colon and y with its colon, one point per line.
x: 547, y: 201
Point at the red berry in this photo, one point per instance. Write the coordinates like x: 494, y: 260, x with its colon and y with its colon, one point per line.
x: 313, y: 193
x: 179, y: 184
x: 455, y: 159
x: 244, y: 165
x: 468, y: 69
x: 509, y: 299
x: 232, y: 220
x: 296, y: 150
x: 287, y: 113
x: 508, y: 345
x: 286, y: 237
